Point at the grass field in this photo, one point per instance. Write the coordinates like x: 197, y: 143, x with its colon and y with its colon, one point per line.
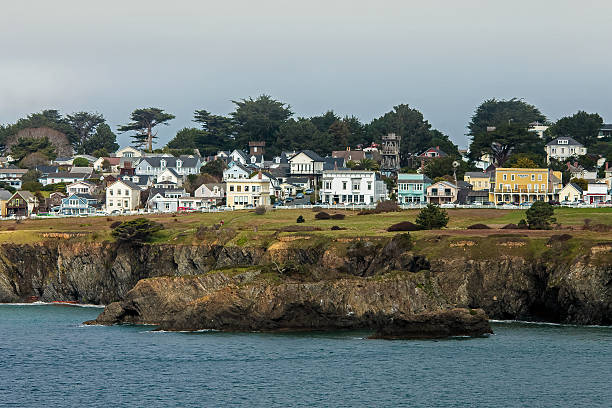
x: 247, y: 228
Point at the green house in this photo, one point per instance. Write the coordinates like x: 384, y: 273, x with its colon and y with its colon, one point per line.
x: 411, y: 188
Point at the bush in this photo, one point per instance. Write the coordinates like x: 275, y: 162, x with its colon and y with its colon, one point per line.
x: 404, y: 226
x: 522, y: 224
x: 300, y: 219
x: 540, y: 215
x: 337, y: 216
x: 510, y: 226
x: 337, y: 228
x: 322, y: 215
x: 387, y: 206
x: 432, y: 217
x: 298, y: 228
x: 115, y: 224
x: 80, y: 162
x: 478, y: 226
x: 260, y: 210
x: 558, y: 238
x: 137, y: 231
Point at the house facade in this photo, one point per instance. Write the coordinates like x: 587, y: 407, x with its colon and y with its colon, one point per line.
x: 78, y: 204
x: 562, y: 148
x: 352, y: 187
x: 478, y: 179
x: 81, y: 187
x: 63, y: 177
x: 596, y: 193
x: 210, y: 194
x: 571, y: 193
x: 122, y: 196
x: 253, y: 191
x: 411, y: 188
x: 153, y: 166
x: 236, y: 171
x: 165, y: 200
x: 22, y: 204
x: 519, y: 185
x: 306, y: 163
x: 442, y: 192
x: 12, y: 177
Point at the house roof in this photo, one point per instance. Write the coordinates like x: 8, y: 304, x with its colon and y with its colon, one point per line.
x: 433, y: 149
x: 46, y: 169
x: 349, y: 155
x: 310, y: 154
x: 130, y: 184
x: 239, y: 165
x: 171, y: 161
x: 570, y: 142
x: 477, y: 174
x: 26, y: 195
x: 606, y: 126
x: 331, y: 163
x: 15, y: 171
x: 65, y: 174
x: 241, y: 154
x: 576, y: 186
x: 173, y: 172
x: 5, y: 194
x: 83, y: 170
x: 445, y: 183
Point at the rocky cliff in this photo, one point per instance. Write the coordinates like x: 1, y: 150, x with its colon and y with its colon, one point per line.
x: 510, y: 277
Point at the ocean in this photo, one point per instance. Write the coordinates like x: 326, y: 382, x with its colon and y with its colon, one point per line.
x: 48, y: 358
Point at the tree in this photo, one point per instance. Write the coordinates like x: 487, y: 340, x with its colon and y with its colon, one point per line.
x: 432, y: 217
x: 495, y: 113
x: 33, y: 159
x: 443, y: 166
x: 523, y: 163
x: 364, y: 164
x: 259, y: 120
x: 219, y: 130
x: 340, y: 135
x: 214, y: 168
x: 26, y: 145
x: 185, y: 139
x: 416, y: 133
x: 80, y: 162
x: 143, y: 122
x: 102, y: 141
x: 580, y: 182
x: 540, y: 215
x: 525, y: 160
x: 504, y: 140
x: 84, y: 125
x: 302, y: 134
x: 7, y: 187
x: 31, y: 186
x: 137, y: 231
x: 31, y: 175
x: 582, y: 126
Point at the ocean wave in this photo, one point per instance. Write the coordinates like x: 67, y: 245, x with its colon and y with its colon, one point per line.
x: 548, y: 323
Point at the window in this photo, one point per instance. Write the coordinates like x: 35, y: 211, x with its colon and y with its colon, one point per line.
x: 505, y: 177
x: 127, y: 193
x: 344, y: 186
x: 501, y: 186
x: 533, y: 177
x: 246, y: 188
x: 110, y: 203
x: 231, y: 188
x: 516, y: 187
x: 355, y: 185
x: 543, y: 187
x: 369, y: 185
x: 110, y: 191
x: 239, y: 189
x: 512, y: 177
x: 418, y: 187
x: 179, y: 163
x: 328, y: 185
x: 539, y: 177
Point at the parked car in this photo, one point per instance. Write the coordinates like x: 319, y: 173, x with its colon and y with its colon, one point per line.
x: 309, y: 191
x: 288, y: 199
x: 299, y: 196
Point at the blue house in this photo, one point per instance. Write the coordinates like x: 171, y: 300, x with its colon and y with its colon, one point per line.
x: 78, y: 204
x: 411, y: 188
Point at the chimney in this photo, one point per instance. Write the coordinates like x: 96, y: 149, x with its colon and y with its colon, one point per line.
x: 606, y: 166
x: 259, y: 175
x: 437, y: 147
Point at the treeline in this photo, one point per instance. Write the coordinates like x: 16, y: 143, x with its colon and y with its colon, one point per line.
x: 272, y: 121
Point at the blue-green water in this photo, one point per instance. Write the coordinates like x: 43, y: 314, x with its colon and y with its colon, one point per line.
x: 47, y: 358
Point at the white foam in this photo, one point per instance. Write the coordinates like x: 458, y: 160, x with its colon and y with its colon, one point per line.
x: 548, y: 323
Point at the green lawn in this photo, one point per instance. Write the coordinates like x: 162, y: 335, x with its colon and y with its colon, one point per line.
x: 246, y: 228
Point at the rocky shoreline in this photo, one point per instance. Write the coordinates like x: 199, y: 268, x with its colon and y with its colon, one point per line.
x: 305, y: 284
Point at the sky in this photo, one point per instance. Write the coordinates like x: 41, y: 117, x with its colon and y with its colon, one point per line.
x: 356, y: 57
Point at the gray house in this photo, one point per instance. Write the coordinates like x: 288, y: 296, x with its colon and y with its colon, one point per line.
x: 183, y: 165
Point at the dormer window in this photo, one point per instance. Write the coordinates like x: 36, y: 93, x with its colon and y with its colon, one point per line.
x: 179, y: 163
x: 563, y: 141
x: 162, y: 163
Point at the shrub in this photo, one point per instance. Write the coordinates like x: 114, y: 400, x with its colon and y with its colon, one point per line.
x: 115, y: 224
x: 300, y: 219
x: 540, y: 215
x: 298, y: 228
x: 337, y: 228
x: 404, y: 226
x: 337, y: 216
x: 558, y: 238
x: 432, y: 217
x: 260, y: 210
x: 387, y: 206
x: 80, y: 162
x: 322, y: 215
x: 201, y: 232
x: 138, y: 231
x: 109, y: 219
x: 478, y: 226
x: 522, y: 224
x: 11, y: 228
x: 510, y: 226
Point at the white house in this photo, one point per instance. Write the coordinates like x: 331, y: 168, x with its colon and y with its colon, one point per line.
x: 12, y: 177
x: 236, y: 171
x: 165, y: 200
x: 562, y: 148
x: 63, y: 177
x: 153, y: 166
x: 210, y: 193
x: 306, y: 163
x: 596, y: 193
x: 122, y: 195
x: 81, y: 187
x: 571, y: 192
x: 239, y: 156
x: 538, y: 129
x: 170, y: 175
x: 352, y: 187
x: 441, y: 192
x: 128, y: 152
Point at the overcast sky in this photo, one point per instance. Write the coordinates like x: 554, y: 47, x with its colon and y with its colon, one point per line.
x: 355, y: 57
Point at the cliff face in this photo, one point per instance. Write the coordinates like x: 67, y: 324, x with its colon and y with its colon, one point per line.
x: 551, y: 283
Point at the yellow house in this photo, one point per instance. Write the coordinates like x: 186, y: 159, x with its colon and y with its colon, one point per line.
x: 478, y: 179
x: 4, y: 197
x: 521, y: 185
x: 253, y: 191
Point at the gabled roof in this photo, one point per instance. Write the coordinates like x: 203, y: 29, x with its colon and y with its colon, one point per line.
x: 26, y: 195
x: 333, y: 163
x: 171, y: 161
x: 128, y: 183
x: 172, y: 171
x: 477, y: 174
x: 433, y: 149
x: 5, y: 194
x: 310, y: 154
x: 570, y: 142
x: 239, y: 165
x: 444, y: 183
x: 575, y: 186
x: 68, y: 175
x: 241, y: 154
x: 349, y: 155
